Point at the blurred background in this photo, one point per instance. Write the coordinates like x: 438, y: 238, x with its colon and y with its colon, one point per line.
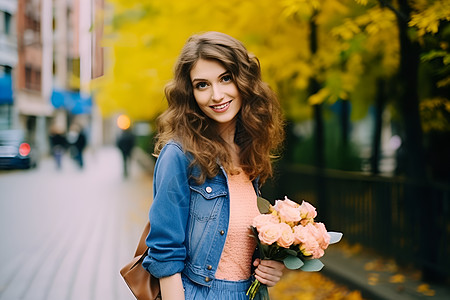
x: 364, y: 87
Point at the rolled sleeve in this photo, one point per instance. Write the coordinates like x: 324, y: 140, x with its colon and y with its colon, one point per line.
x: 168, y: 213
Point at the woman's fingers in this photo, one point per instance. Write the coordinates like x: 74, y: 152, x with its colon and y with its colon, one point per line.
x: 269, y: 272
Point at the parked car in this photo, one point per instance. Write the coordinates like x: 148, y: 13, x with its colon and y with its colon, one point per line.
x: 16, y: 152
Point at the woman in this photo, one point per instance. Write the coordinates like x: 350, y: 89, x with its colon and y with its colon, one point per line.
x: 214, y: 149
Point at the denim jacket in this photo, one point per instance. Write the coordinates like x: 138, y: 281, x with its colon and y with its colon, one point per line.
x: 189, y: 221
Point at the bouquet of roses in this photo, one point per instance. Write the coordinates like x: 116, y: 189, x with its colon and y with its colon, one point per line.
x: 287, y: 232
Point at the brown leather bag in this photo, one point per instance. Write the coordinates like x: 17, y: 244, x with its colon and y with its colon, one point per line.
x: 142, y: 284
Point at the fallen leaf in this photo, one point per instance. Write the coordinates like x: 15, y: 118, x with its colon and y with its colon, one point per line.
x: 397, y: 278
x: 370, y: 266
x: 425, y: 290
x: 373, y: 278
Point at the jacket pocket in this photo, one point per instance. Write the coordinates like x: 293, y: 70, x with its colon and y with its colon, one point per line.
x: 205, y: 200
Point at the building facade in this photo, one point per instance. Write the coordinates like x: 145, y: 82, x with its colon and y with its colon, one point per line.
x: 48, y: 56
x: 33, y: 72
x: 8, y: 60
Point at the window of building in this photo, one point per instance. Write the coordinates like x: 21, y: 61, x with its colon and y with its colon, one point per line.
x: 32, y: 78
x: 7, y: 25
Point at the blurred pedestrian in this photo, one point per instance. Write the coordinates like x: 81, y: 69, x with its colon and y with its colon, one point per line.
x: 77, y: 140
x: 58, y: 144
x: 214, y: 148
x: 125, y: 143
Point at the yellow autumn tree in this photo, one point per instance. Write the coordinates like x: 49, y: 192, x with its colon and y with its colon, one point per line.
x: 143, y: 39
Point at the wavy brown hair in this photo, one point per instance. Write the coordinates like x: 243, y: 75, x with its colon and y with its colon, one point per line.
x: 259, y: 124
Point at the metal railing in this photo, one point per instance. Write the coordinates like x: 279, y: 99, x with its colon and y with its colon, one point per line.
x: 400, y: 219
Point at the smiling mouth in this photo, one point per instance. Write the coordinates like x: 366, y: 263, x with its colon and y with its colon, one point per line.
x: 221, y: 106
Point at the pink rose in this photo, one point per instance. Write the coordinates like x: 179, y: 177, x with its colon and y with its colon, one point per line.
x: 317, y: 252
x: 286, y: 238
x: 307, y: 211
x: 289, y: 202
x: 269, y: 233
x: 264, y: 219
x: 322, y: 235
x: 305, y: 222
x: 301, y: 234
x: 289, y: 214
x: 284, y: 202
x: 305, y: 236
x: 276, y: 207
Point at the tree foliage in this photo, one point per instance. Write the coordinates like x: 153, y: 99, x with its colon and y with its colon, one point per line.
x: 358, y: 44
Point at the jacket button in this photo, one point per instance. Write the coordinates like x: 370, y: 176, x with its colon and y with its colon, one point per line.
x: 222, y: 232
x: 209, y: 267
x: 207, y: 279
x: 208, y: 189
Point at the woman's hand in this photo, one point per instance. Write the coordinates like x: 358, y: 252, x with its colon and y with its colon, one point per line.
x: 268, y: 272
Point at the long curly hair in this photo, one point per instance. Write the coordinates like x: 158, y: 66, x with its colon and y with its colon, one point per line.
x: 259, y: 125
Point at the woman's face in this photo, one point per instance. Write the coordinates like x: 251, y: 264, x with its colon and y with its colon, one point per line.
x: 215, y: 92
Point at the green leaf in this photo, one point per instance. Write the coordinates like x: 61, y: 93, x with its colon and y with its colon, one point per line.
x: 264, y: 250
x: 335, y: 236
x: 255, y: 233
x: 291, y: 252
x: 293, y: 262
x: 282, y: 253
x: 312, y: 265
x: 263, y: 205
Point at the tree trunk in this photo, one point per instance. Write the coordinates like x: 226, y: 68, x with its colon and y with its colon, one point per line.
x: 421, y: 216
x: 376, y: 141
x: 345, y: 122
x: 319, y: 140
x: 313, y: 88
x: 409, y: 98
x: 319, y: 136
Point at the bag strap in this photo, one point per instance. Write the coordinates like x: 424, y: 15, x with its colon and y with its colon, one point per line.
x: 142, y: 246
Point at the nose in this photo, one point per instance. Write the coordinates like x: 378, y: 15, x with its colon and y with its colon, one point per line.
x: 217, y: 93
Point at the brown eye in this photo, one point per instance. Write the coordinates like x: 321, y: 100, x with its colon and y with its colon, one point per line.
x: 227, y: 78
x: 201, y: 85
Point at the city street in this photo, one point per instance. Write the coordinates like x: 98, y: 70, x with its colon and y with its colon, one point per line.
x: 66, y: 233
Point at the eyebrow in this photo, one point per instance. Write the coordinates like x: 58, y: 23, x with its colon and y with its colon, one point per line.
x: 201, y: 79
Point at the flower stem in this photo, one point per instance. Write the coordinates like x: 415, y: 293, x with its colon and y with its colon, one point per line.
x: 253, y: 289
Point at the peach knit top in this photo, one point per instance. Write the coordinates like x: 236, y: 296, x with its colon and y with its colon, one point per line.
x: 236, y: 260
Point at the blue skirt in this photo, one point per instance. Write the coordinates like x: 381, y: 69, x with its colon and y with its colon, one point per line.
x: 219, y: 290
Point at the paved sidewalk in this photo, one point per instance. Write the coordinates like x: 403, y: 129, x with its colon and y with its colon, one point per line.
x: 66, y: 233
x: 377, y: 278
